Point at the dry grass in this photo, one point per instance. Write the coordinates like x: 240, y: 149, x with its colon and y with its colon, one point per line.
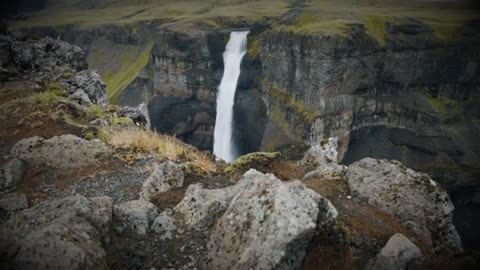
x: 165, y: 146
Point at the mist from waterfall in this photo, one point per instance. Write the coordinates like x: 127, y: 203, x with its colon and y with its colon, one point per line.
x: 223, y: 147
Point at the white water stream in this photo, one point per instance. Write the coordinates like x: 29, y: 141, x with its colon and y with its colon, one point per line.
x: 223, y: 147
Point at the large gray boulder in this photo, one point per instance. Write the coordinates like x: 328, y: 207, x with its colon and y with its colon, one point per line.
x: 135, y: 216
x: 63, y: 152
x: 398, y: 254
x: 259, y: 223
x: 165, y: 176
x: 418, y: 202
x: 66, y: 233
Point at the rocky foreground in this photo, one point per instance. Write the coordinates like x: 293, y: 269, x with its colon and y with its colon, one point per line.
x: 72, y: 198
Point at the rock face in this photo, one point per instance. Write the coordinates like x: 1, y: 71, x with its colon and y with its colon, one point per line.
x: 398, y: 100
x: 398, y: 254
x: 13, y: 202
x: 62, y: 234
x: 324, y: 157
x: 165, y: 225
x: 251, y: 222
x: 11, y: 174
x: 65, y: 151
x: 201, y: 207
x: 166, y: 176
x: 87, y: 86
x: 419, y: 203
x: 47, y: 58
x: 136, y: 216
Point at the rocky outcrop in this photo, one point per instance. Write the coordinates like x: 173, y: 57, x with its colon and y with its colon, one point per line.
x: 87, y: 87
x: 164, y: 177
x: 67, y: 233
x: 418, y: 202
x: 398, y: 254
x: 47, y: 58
x: 13, y: 202
x: 64, y: 152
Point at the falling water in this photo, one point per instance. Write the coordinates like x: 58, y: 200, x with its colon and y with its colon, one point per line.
x: 223, y: 147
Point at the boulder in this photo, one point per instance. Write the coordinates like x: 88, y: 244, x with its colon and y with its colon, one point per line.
x: 166, y: 176
x: 62, y: 152
x: 91, y: 84
x: 201, y: 207
x: 398, y: 254
x: 418, y: 202
x: 165, y: 225
x: 135, y: 216
x: 11, y: 174
x: 267, y: 224
x: 67, y: 233
x: 13, y: 202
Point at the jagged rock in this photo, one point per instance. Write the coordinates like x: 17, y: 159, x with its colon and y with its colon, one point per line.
x: 164, y: 225
x: 166, y: 176
x: 47, y: 58
x: 267, y: 225
x: 419, y: 203
x: 139, y: 114
x: 201, y: 207
x: 11, y: 174
x: 91, y: 84
x: 60, y: 234
x: 398, y: 254
x: 136, y: 216
x: 81, y: 97
x: 13, y: 202
x: 65, y: 151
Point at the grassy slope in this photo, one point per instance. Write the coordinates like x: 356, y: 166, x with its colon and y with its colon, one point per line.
x: 320, y: 16
x: 118, y: 64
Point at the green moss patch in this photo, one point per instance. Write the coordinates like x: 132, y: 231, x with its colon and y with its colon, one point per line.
x: 375, y: 27
x: 255, y: 160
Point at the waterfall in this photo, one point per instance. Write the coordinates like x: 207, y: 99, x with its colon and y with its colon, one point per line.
x: 223, y: 147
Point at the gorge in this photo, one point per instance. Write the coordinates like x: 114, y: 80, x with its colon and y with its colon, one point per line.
x: 373, y: 105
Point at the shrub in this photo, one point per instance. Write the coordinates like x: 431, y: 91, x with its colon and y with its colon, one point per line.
x: 164, y: 146
x: 44, y: 101
x: 95, y: 111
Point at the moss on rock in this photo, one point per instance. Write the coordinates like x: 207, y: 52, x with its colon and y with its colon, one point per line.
x: 255, y: 160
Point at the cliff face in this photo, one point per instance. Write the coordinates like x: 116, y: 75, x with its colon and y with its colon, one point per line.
x: 410, y: 96
x: 411, y: 99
